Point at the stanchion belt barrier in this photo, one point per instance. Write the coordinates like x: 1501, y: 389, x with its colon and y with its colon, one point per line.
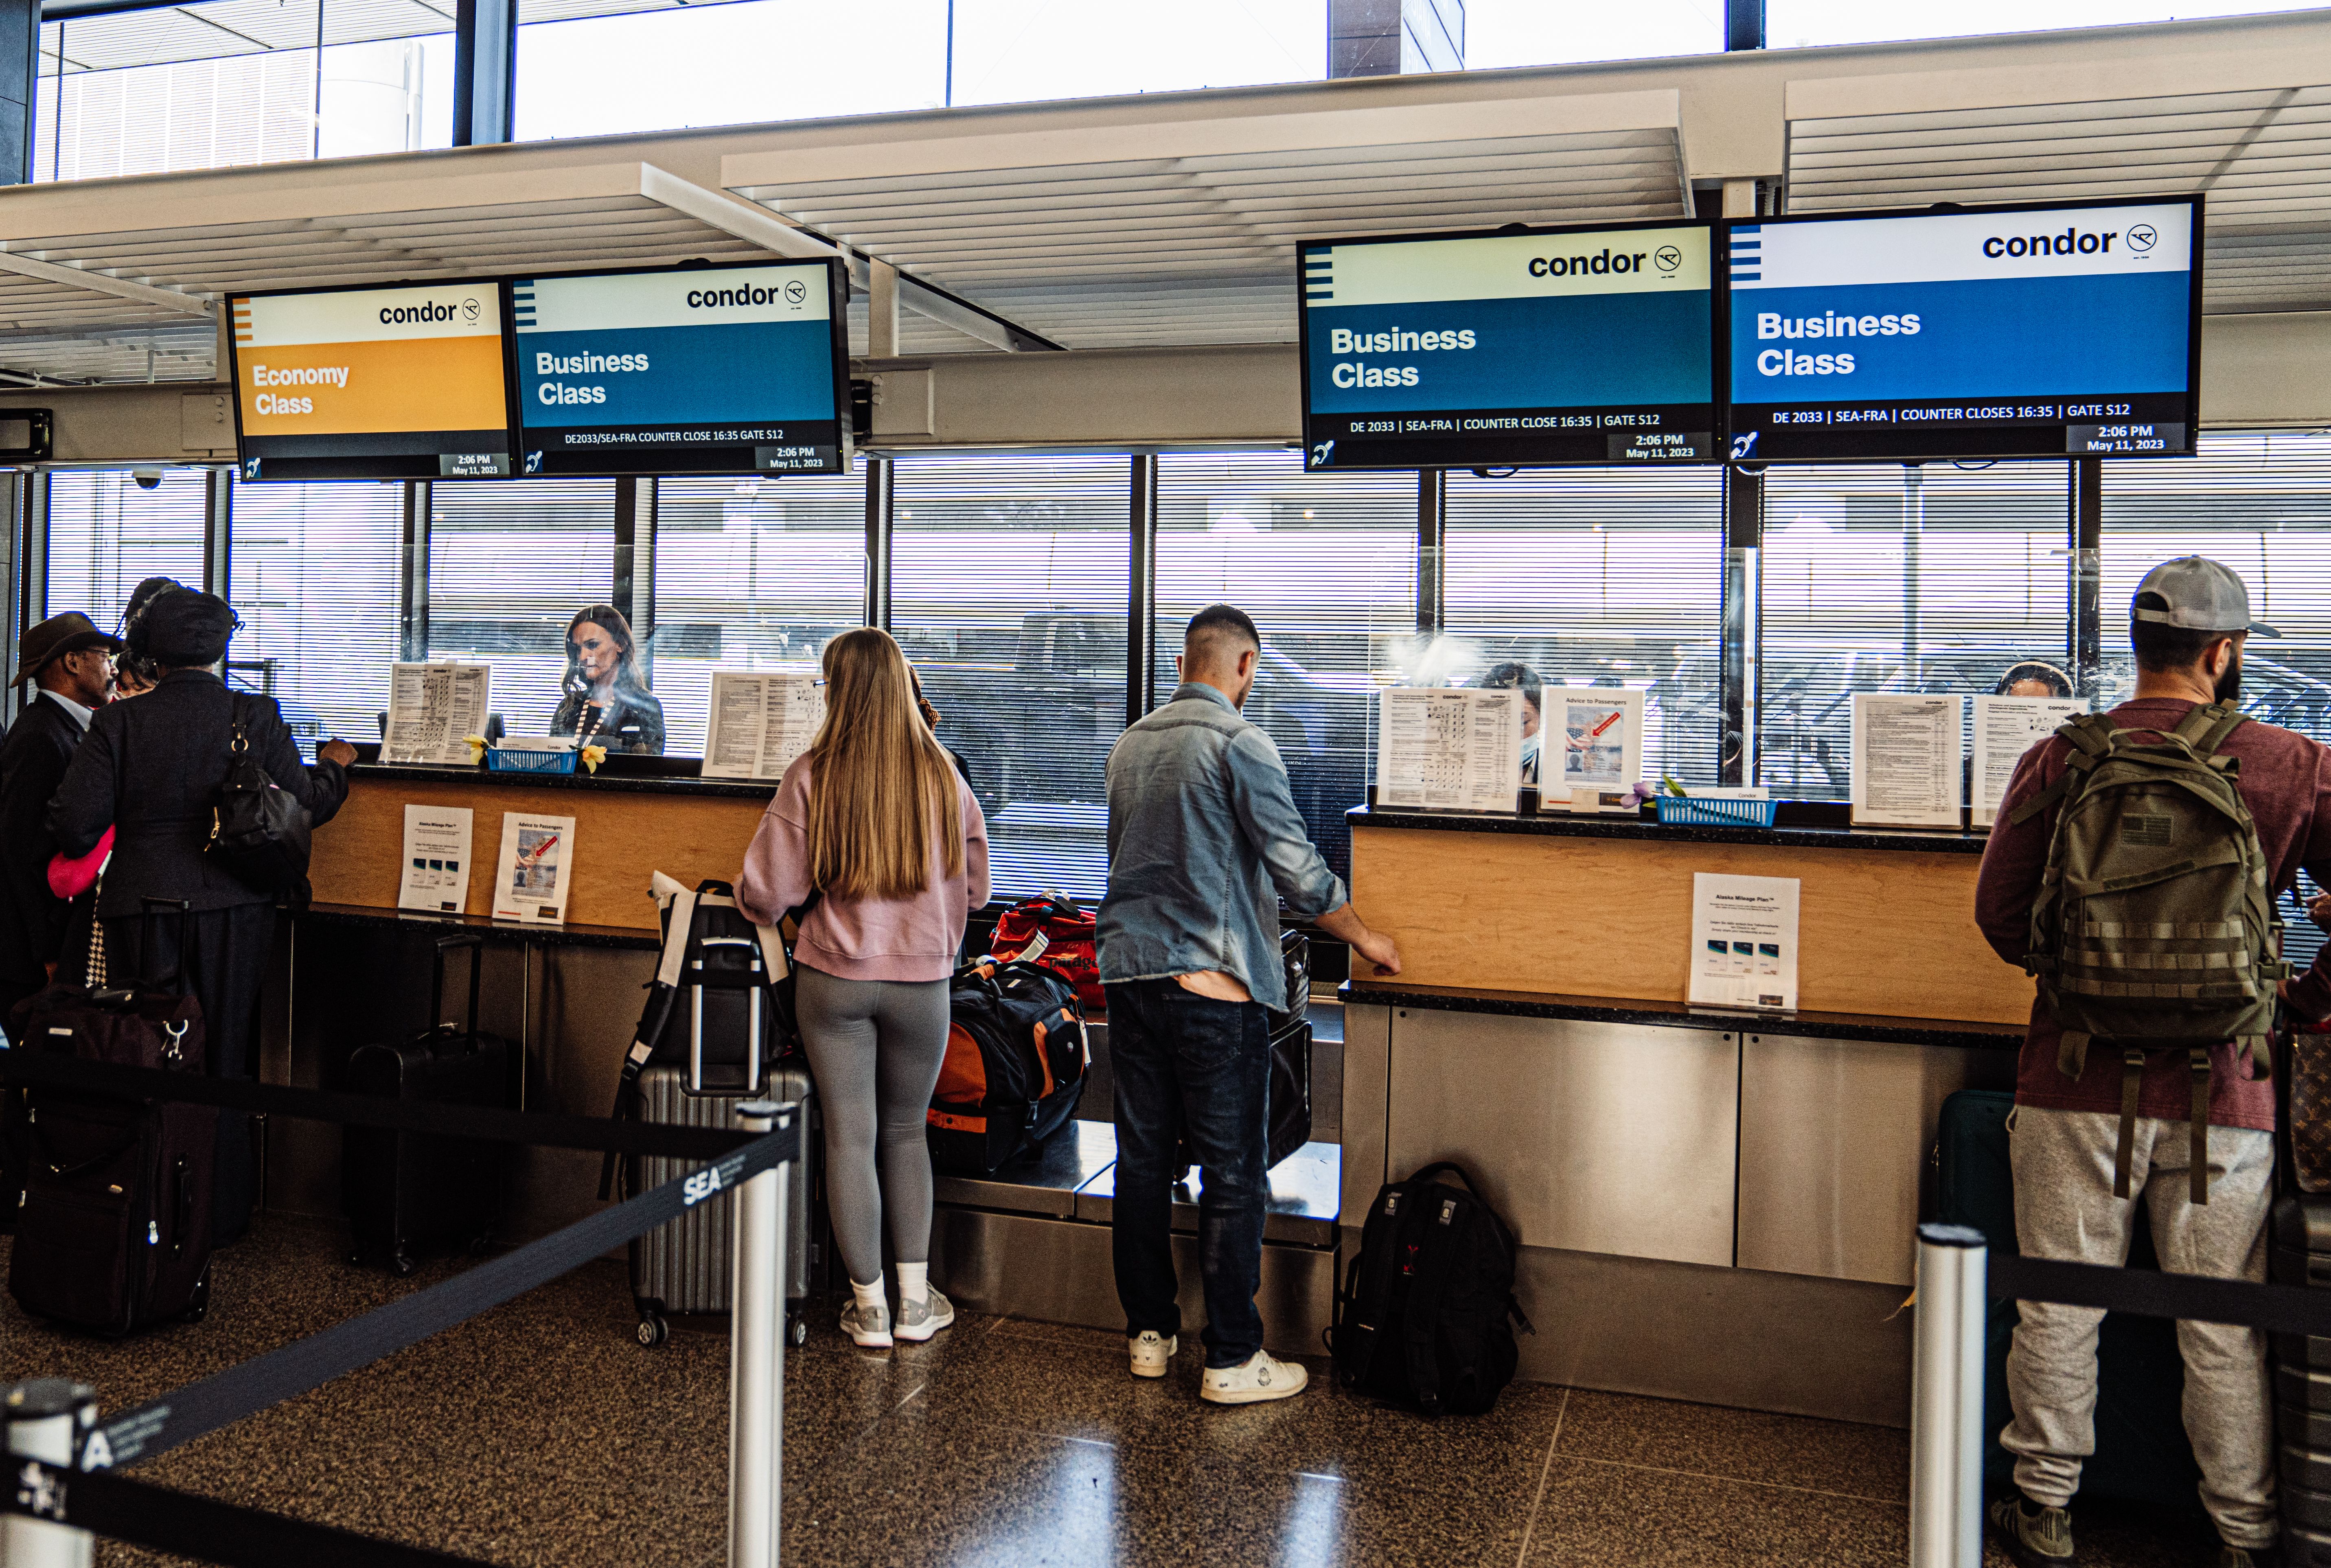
x: 2147, y: 1293
x: 487, y: 1124
x: 196, y: 1527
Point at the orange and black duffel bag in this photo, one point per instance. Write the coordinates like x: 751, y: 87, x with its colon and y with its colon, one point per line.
x: 1015, y: 1067
x: 1054, y: 931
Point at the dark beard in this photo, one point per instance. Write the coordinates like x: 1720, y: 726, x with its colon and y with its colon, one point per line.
x: 2229, y: 684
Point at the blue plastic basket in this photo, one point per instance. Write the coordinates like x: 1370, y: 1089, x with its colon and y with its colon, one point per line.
x: 498, y: 760
x: 1694, y: 811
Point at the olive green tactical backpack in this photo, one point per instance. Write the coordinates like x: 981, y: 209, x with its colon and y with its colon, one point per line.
x: 2154, y: 927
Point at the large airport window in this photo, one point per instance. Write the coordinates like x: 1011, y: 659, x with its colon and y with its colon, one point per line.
x: 108, y: 533
x: 750, y: 573
x: 1326, y: 566
x: 509, y: 566
x: 1802, y: 24
x: 1592, y: 577
x: 317, y: 584
x: 1506, y: 32
x: 1905, y: 578
x: 1008, y: 590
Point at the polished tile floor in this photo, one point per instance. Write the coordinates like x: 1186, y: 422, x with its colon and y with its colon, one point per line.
x: 541, y: 1434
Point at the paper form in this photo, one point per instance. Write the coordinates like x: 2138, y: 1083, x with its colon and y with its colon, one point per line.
x: 433, y: 711
x: 435, y: 875
x: 1448, y: 750
x: 1743, y: 941
x: 761, y: 721
x: 1909, y: 759
x: 2005, y: 727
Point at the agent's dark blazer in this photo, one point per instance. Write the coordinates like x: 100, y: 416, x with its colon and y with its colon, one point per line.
x: 152, y: 766
x: 33, y: 761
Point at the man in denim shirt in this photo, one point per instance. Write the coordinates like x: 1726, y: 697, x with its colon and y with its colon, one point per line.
x: 1204, y: 841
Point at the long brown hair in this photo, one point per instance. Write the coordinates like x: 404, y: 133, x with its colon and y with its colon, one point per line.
x: 878, y: 778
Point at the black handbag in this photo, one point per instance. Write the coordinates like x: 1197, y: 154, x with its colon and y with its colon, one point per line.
x: 259, y: 830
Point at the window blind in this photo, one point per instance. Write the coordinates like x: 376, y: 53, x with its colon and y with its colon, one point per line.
x: 508, y: 566
x: 1326, y: 564
x: 1593, y: 577
x: 1008, y: 590
x: 751, y: 574
x: 107, y: 533
x: 317, y: 585
x: 1886, y: 577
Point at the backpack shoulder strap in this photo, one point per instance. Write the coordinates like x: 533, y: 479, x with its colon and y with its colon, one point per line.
x: 2090, y: 736
x: 2205, y: 728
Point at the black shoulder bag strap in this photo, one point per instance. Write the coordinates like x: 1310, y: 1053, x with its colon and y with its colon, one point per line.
x: 1420, y: 1333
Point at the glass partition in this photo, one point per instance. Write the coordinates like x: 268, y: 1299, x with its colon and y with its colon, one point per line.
x: 108, y: 533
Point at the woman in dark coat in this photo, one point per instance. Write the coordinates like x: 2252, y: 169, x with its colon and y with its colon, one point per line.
x: 608, y: 702
x: 151, y: 770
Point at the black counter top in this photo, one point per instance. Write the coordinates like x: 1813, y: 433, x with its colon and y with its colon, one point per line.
x: 610, y: 778
x: 1801, y: 834
x: 504, y: 930
x: 1676, y: 1015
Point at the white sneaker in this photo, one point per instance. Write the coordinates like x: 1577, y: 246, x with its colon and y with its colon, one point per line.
x: 869, y: 1327
x: 1261, y: 1377
x: 1152, y: 1350
x: 917, y: 1321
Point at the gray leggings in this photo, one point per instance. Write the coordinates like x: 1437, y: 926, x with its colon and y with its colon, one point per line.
x: 875, y: 1047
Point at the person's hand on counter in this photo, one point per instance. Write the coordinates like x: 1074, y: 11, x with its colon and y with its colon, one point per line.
x: 336, y: 750
x: 1379, y: 950
x: 1346, y: 925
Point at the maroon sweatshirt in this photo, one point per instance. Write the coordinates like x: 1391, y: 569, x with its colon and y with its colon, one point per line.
x: 2286, y: 782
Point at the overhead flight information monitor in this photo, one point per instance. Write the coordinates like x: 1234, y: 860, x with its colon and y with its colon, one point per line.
x: 2031, y: 331
x: 1556, y: 346
x: 405, y: 383
x: 694, y: 370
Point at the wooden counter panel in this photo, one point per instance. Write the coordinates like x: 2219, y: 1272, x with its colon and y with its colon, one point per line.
x: 619, y: 839
x: 1880, y: 932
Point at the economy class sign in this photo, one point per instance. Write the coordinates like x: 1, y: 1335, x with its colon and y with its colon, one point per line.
x: 371, y: 361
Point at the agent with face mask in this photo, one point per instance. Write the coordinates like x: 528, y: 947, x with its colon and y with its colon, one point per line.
x: 608, y: 702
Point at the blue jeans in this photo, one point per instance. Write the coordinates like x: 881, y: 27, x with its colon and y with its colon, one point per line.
x: 1188, y: 1064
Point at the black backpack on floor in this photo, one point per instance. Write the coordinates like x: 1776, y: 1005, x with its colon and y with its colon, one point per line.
x: 1423, y: 1315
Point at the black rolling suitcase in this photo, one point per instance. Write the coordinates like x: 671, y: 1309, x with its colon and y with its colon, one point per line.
x: 2301, y: 1255
x: 410, y: 1192
x: 114, y: 1234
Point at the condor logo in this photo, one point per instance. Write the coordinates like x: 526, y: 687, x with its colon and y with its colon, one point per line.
x: 428, y: 314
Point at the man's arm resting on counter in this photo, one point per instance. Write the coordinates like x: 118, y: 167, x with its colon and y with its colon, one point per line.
x: 1345, y: 925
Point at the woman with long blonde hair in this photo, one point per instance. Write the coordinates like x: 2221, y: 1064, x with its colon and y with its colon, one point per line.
x: 874, y: 822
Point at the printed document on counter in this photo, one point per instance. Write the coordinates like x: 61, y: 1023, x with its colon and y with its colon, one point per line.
x: 533, y: 878
x: 433, y: 709
x: 1909, y: 759
x: 2005, y: 727
x: 1441, y: 750
x: 761, y: 721
x: 1602, y: 737
x: 1743, y: 941
x: 436, y: 869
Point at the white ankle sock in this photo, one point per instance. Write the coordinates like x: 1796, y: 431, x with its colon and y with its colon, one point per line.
x: 914, y: 1284
x: 869, y: 1297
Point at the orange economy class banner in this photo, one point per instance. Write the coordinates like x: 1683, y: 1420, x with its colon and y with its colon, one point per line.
x: 335, y: 378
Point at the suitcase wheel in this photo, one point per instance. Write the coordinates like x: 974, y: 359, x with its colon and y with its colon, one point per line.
x: 796, y: 1327
x: 652, y: 1330
x: 198, y: 1300
x: 402, y: 1267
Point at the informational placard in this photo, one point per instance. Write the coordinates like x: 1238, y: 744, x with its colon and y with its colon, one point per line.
x: 433, y: 709
x: 372, y: 383
x: 435, y: 872
x: 689, y: 370
x: 761, y: 721
x: 531, y: 879
x: 1602, y: 736
x: 1448, y: 750
x: 1561, y: 346
x: 2005, y: 727
x: 1743, y: 941
x: 2026, y: 331
x: 1909, y: 759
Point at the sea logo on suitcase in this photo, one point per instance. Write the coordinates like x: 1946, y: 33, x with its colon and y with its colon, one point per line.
x: 705, y: 1183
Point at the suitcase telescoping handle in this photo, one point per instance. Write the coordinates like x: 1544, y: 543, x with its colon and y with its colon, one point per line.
x: 147, y: 932
x: 476, y: 943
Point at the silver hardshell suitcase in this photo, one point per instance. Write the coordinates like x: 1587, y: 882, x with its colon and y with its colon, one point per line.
x: 683, y: 1267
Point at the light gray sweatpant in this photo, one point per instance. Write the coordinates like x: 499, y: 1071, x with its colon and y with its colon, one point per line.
x: 2064, y: 1209
x: 875, y: 1047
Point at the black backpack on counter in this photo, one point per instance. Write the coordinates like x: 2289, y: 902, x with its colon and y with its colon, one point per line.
x: 1015, y: 1066
x: 1425, y: 1316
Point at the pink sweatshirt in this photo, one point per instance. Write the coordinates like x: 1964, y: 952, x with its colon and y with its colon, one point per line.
x: 912, y: 938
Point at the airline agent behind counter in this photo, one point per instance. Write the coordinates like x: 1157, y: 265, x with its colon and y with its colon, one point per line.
x: 608, y: 702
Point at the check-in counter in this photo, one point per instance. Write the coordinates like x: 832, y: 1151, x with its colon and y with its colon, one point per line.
x: 1713, y: 1204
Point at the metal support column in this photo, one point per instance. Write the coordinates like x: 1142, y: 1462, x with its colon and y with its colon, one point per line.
x: 413, y: 570
x: 15, y: 495
x: 757, y: 1353
x: 48, y: 1418
x: 1432, y: 528
x: 20, y: 76
x: 32, y: 557
x: 1743, y: 25
x: 1742, y: 626
x: 1141, y: 598
x: 485, y: 70
x: 879, y: 477
x: 1947, y: 1377
x: 882, y: 310
x: 218, y: 532
x: 2084, y: 583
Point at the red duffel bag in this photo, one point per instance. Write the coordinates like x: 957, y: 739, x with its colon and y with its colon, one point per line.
x: 1052, y: 931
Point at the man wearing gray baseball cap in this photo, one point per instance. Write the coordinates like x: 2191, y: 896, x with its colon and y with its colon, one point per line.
x: 2069, y: 1145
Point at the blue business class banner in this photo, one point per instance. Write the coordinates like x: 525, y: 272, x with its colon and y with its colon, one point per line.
x: 1580, y: 352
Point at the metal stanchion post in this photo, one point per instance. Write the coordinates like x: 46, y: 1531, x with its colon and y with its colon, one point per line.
x: 1946, y: 1372
x: 756, y: 1354
x: 48, y: 1418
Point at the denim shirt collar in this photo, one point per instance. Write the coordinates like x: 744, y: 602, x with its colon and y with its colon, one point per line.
x: 1201, y: 690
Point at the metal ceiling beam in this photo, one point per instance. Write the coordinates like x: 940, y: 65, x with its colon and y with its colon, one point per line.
x: 172, y: 299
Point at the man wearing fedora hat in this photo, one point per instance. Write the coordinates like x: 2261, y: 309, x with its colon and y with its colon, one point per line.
x: 71, y: 662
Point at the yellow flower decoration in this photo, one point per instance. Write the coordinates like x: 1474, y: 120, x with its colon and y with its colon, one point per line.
x: 593, y: 756
x: 477, y: 745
